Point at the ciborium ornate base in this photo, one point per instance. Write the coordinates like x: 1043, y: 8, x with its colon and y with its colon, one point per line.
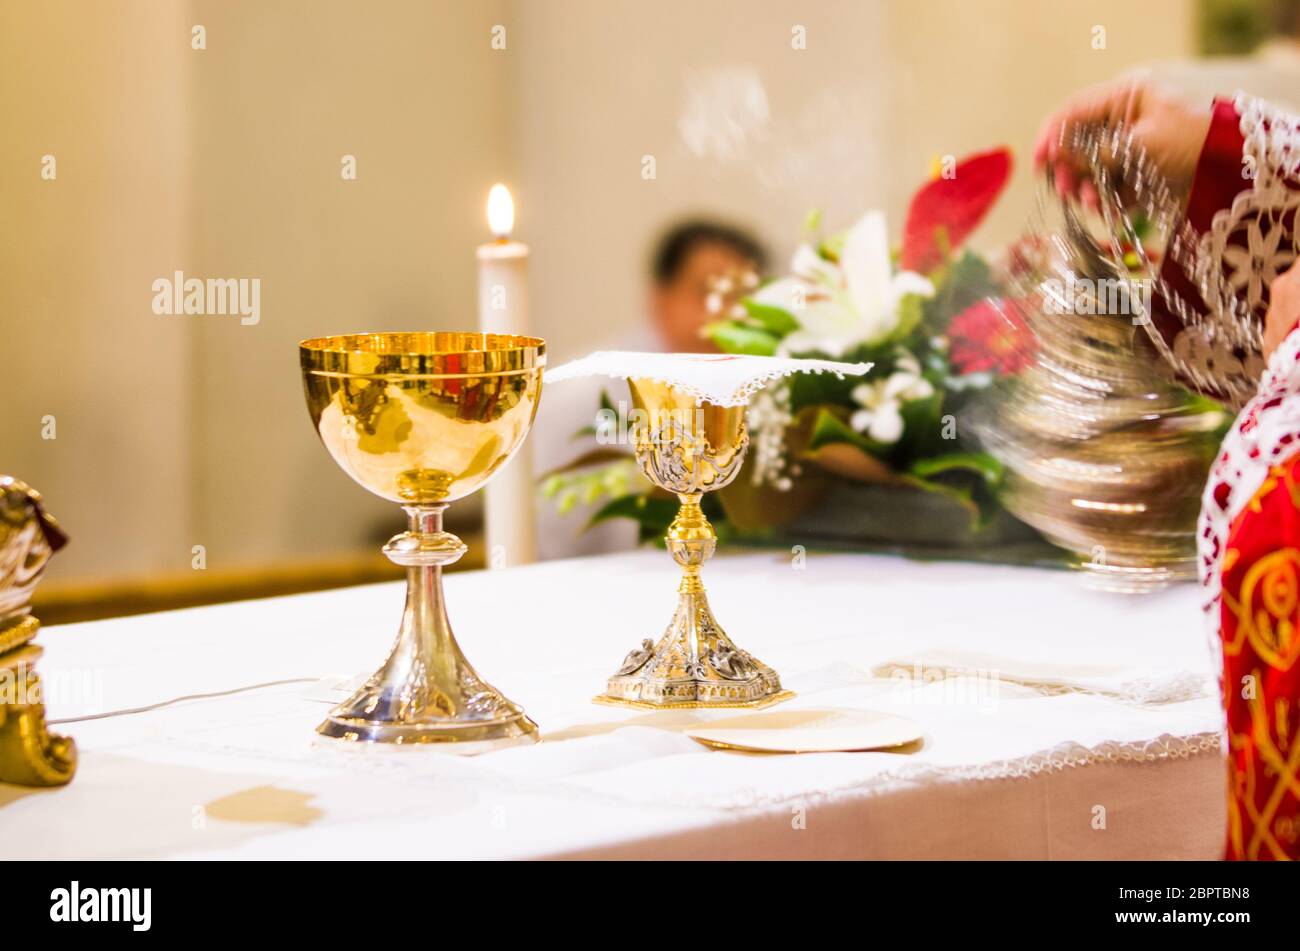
x: 695, y: 663
x: 423, y: 419
x: 690, y: 449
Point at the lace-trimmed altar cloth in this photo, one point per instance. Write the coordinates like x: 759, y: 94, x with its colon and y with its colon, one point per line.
x: 1027, y: 764
x: 1154, y: 685
x: 723, y: 379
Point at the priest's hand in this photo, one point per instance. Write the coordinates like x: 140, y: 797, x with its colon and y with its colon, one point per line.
x: 1283, y: 308
x: 1171, y: 132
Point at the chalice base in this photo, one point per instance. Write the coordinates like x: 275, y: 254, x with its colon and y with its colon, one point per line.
x: 427, y: 694
x: 695, y: 665
x: 456, y: 711
x: 468, y: 739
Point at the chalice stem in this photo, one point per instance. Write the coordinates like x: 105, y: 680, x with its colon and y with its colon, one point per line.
x: 423, y: 674
x: 427, y: 691
x: 691, y: 539
x: 695, y: 663
x: 425, y: 635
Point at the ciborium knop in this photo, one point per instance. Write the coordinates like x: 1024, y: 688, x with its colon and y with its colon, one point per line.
x: 687, y: 425
x: 424, y: 419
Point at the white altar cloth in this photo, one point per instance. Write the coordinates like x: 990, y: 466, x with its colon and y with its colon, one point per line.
x: 1005, y: 769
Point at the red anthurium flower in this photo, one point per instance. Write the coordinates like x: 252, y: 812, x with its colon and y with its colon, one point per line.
x: 990, y: 336
x: 956, y: 205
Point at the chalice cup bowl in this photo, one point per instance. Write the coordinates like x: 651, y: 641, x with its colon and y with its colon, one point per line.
x: 423, y: 419
x: 689, y: 448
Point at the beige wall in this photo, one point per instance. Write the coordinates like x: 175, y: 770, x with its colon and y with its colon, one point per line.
x: 104, y: 89
x: 971, y: 75
x: 225, y: 163
x: 283, y: 92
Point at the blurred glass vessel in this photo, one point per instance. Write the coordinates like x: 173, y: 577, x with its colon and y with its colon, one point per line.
x: 423, y: 419
x: 1104, y: 453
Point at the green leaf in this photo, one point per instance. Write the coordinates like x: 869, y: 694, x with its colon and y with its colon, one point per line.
x: 1196, y: 403
x: 970, y: 271
x: 957, y: 286
x: 773, y: 319
x: 605, y: 404
x: 962, y: 495
x: 911, y: 310
x: 970, y: 478
x: 831, y: 248
x: 733, y: 337
x: 922, y: 429
x: 982, y: 464
x: 1141, y: 225
x: 551, y: 486
x: 829, y: 428
x: 819, y: 389
x: 652, y: 514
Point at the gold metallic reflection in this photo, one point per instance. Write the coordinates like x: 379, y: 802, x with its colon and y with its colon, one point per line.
x: 423, y: 419
x: 690, y: 449
x: 429, y: 424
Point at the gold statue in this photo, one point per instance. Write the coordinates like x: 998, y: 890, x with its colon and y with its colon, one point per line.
x: 29, y: 755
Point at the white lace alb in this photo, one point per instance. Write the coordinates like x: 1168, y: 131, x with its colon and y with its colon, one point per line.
x: 1247, y: 245
x: 1254, y: 239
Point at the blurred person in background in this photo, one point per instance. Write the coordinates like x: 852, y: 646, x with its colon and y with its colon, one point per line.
x: 685, y: 266
x: 688, y: 263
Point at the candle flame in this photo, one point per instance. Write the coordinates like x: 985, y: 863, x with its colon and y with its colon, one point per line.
x: 500, y: 211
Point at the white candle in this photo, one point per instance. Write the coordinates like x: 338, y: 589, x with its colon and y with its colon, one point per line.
x: 503, y: 309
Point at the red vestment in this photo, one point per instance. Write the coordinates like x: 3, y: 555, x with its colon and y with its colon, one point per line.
x: 1243, y: 202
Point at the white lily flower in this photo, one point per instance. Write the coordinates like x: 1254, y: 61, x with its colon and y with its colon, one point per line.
x: 881, y: 416
x: 811, y: 266
x: 841, y: 306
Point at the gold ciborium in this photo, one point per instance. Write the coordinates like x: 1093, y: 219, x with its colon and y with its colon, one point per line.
x: 689, y: 449
x: 423, y: 419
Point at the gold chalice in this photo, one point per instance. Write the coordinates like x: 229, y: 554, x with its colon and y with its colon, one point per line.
x: 690, y: 449
x: 423, y: 419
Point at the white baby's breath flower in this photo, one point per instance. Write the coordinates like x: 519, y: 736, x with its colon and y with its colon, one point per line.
x: 767, y: 417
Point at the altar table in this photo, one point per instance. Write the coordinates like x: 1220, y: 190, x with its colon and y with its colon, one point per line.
x: 1018, y: 771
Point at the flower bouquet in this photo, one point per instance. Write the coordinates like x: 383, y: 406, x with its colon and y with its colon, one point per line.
x: 880, y: 460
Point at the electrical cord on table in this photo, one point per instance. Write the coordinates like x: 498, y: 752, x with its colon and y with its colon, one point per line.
x: 192, y: 696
